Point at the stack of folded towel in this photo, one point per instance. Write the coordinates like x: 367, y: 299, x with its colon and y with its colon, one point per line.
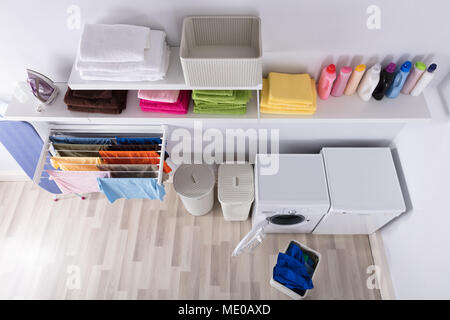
x: 165, y: 101
x: 288, y: 94
x: 97, y: 101
x: 221, y: 101
x: 122, y: 53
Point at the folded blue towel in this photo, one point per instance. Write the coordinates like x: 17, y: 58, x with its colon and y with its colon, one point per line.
x: 131, y: 188
x: 120, y: 140
x: 291, y: 270
x: 80, y: 140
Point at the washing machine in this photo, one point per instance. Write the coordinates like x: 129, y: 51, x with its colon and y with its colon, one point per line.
x: 291, y: 193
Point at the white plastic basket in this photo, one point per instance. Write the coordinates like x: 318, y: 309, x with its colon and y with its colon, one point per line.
x: 221, y: 51
x: 236, y: 190
x: 294, y: 295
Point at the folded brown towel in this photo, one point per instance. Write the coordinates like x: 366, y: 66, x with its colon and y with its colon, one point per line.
x: 118, y: 100
x: 93, y: 94
x: 94, y: 110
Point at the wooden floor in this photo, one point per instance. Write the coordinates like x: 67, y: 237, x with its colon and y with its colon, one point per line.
x: 142, y: 249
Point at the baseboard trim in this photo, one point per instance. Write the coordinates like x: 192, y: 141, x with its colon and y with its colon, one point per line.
x: 379, y: 259
x: 13, y: 175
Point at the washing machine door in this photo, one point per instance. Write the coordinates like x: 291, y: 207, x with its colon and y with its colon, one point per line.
x: 252, y: 239
x: 286, y: 219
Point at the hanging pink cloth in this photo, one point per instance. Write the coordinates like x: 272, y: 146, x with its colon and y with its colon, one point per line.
x: 77, y: 181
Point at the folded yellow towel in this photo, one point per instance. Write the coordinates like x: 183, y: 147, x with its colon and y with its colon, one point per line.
x: 290, y: 88
x: 300, y: 109
x: 298, y: 112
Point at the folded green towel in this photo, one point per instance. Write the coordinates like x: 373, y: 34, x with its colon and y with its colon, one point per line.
x: 196, y: 93
x: 205, y: 105
x: 238, y: 97
x: 221, y: 111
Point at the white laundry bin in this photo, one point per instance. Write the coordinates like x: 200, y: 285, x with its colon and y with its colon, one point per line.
x: 312, y: 254
x: 194, y: 183
x: 236, y: 190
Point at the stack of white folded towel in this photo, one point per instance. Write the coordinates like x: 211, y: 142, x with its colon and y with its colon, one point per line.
x: 122, y: 53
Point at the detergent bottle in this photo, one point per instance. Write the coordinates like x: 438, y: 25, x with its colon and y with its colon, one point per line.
x: 399, y: 80
x: 386, y: 78
x: 369, y: 82
x: 326, y: 80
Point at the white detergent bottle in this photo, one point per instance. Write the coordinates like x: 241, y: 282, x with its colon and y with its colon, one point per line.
x: 424, y: 80
x: 369, y: 82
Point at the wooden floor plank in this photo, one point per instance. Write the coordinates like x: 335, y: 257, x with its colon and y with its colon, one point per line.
x: 142, y: 249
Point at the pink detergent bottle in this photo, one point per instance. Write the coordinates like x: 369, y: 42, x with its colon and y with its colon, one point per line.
x: 341, y: 82
x: 326, y: 80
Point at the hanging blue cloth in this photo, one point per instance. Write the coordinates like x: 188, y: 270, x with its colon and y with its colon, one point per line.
x: 291, y: 270
x: 80, y: 140
x: 131, y: 188
x: 156, y: 140
x: 25, y: 146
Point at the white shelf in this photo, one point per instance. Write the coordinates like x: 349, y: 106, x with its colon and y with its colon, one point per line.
x: 335, y: 110
x: 353, y: 109
x: 174, y: 80
x: 24, y: 110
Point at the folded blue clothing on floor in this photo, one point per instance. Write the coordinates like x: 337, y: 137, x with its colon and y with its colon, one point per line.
x: 120, y: 140
x: 291, y: 269
x: 131, y: 188
x: 80, y: 140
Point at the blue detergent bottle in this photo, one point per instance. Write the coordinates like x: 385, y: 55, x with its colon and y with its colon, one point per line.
x: 399, y: 80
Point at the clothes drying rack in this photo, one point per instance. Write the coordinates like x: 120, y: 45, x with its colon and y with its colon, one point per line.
x: 101, y: 131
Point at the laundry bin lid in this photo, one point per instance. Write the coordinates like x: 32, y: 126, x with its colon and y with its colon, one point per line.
x: 236, y: 184
x: 193, y: 180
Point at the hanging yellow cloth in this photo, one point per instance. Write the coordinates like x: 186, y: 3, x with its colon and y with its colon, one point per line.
x: 76, y: 163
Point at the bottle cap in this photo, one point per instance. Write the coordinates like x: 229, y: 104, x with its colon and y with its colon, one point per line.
x: 376, y: 68
x: 406, y: 66
x: 360, y: 67
x: 346, y: 69
x: 391, y: 67
x: 432, y: 67
x: 331, y: 68
x: 421, y: 65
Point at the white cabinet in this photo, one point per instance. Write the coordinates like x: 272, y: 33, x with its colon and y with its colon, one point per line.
x: 364, y: 190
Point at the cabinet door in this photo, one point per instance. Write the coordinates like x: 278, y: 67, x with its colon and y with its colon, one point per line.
x: 352, y: 223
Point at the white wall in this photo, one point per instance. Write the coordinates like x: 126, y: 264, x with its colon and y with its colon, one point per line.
x: 298, y: 35
x: 417, y: 244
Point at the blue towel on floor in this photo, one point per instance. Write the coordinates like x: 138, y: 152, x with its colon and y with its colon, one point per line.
x: 156, y: 140
x: 80, y: 140
x: 291, y: 270
x: 131, y: 188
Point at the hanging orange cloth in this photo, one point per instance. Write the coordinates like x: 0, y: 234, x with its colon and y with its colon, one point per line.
x: 132, y: 157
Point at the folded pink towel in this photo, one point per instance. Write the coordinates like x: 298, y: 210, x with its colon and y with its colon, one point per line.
x: 77, y: 181
x: 162, y: 110
x: 169, y: 96
x: 179, y: 107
